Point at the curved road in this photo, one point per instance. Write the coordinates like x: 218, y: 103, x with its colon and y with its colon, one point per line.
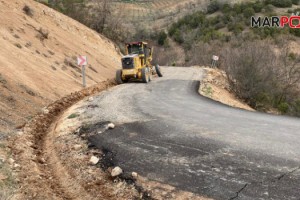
x: 169, y: 133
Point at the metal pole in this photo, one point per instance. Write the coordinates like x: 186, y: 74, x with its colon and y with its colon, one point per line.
x: 213, y: 64
x: 83, y: 76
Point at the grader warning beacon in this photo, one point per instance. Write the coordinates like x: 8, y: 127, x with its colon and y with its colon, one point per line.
x: 136, y: 64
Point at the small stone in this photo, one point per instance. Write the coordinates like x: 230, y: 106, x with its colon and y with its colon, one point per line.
x: 91, y: 99
x: 45, y: 111
x: 94, y: 160
x: 266, y: 193
x: 42, y: 160
x: 110, y: 126
x: 17, y: 165
x: 11, y: 161
x: 116, y: 171
x: 29, y: 144
x: 77, y: 146
x: 3, y: 177
x: 120, y: 184
x: 77, y: 131
x: 134, y: 174
x: 20, y: 133
x: 216, y: 169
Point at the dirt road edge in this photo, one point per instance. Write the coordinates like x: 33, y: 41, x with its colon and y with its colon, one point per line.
x: 27, y: 148
x: 216, y: 87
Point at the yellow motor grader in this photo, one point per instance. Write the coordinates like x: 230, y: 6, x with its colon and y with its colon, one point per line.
x: 136, y: 64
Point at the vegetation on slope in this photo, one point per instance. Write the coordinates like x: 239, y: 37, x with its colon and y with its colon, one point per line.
x: 224, y: 21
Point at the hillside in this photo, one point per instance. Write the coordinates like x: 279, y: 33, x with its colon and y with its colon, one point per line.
x: 38, y: 59
x: 156, y: 14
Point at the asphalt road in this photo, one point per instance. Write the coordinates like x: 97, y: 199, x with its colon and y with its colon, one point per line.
x: 169, y: 133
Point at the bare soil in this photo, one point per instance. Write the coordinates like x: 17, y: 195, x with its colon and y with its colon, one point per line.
x: 38, y: 66
x: 38, y: 59
x: 215, y: 86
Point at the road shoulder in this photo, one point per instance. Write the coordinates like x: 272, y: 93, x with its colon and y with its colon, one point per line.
x: 216, y: 87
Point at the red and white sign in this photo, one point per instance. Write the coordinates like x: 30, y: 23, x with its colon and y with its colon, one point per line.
x: 215, y: 58
x: 82, y: 60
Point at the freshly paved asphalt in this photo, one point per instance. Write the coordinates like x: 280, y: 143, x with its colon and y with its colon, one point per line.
x: 167, y: 132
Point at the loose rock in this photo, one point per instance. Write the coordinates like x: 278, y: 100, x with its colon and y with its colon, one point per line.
x: 42, y: 160
x: 91, y: 99
x: 134, y: 174
x: 17, y: 165
x: 116, y: 171
x: 11, y: 161
x: 110, y: 126
x: 77, y: 146
x: 94, y: 160
x: 20, y: 133
x: 45, y: 111
x: 2, y: 177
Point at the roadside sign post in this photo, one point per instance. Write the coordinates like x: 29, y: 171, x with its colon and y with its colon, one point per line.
x: 82, y: 61
x: 83, y: 76
x: 214, y: 61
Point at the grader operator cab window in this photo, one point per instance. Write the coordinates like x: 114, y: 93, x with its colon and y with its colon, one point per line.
x: 135, y: 49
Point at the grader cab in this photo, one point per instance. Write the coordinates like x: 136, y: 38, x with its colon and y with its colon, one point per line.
x: 136, y: 64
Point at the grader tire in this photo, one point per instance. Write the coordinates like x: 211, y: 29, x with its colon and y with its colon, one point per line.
x: 157, y: 69
x: 145, y: 75
x: 150, y: 74
x: 119, y: 77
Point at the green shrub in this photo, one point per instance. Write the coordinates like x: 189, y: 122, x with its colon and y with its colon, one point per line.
x: 295, y: 31
x: 226, y: 8
x: 220, y: 25
x: 296, y: 2
x: 213, y: 7
x: 237, y: 8
x: 236, y: 28
x: 296, y: 108
x: 178, y: 37
x: 72, y: 116
x: 162, y: 37
x: 172, y: 29
x: 227, y: 18
x: 214, y: 20
x: 281, y: 3
x: 258, y: 6
x: 268, y: 8
x: 248, y: 12
x: 28, y: 11
x: 283, y: 107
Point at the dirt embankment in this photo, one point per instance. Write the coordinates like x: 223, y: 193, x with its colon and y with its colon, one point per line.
x: 38, y: 66
x: 41, y: 159
x: 215, y: 86
x: 38, y: 63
